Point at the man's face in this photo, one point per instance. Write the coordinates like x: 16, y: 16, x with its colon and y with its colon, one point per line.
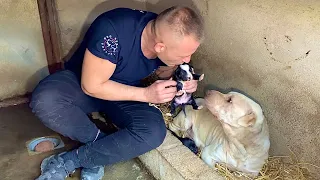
x: 176, y: 52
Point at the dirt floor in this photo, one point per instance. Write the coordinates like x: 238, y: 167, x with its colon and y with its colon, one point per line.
x: 18, y: 125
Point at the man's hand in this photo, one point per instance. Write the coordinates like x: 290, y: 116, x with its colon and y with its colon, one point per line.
x: 190, y: 86
x: 161, y: 91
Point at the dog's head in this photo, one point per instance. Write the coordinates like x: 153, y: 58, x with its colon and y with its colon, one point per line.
x: 234, y: 109
x: 184, y: 72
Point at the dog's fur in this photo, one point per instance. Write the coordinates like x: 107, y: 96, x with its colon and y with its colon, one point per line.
x: 229, y: 129
x: 184, y: 72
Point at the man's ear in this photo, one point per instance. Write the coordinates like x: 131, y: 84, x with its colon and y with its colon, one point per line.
x: 159, y: 47
x: 247, y: 120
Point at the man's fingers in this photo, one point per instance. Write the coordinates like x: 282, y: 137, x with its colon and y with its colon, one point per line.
x: 191, y: 90
x: 166, y: 83
x: 169, y: 95
x: 159, y: 81
x: 167, y: 99
x: 169, y: 90
x: 190, y: 85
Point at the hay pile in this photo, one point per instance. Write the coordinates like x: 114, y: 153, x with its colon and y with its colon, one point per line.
x: 164, y: 108
x: 277, y: 167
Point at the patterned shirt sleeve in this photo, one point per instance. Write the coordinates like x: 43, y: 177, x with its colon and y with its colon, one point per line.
x: 103, y: 41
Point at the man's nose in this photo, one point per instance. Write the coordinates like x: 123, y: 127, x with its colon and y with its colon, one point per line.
x: 187, y: 59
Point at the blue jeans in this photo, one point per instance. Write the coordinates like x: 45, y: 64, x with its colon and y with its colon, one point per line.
x: 59, y: 102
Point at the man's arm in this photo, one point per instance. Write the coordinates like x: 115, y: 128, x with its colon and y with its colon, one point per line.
x: 95, y: 82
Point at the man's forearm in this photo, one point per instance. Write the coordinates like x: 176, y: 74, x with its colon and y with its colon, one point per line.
x: 114, y: 91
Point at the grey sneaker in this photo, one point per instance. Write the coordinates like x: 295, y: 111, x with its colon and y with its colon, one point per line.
x: 55, y: 168
x: 95, y: 173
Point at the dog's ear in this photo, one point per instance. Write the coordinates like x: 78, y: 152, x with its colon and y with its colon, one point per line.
x: 192, y: 70
x: 178, y: 73
x: 247, y: 120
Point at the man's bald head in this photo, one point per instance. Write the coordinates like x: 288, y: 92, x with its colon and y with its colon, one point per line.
x: 180, y: 22
x: 177, y: 33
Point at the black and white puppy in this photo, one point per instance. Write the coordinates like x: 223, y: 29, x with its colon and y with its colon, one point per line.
x: 189, y: 143
x: 184, y: 72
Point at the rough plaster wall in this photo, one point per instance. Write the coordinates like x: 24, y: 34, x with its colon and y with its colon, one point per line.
x: 267, y: 49
x: 270, y: 50
x: 22, y: 54
x: 75, y: 17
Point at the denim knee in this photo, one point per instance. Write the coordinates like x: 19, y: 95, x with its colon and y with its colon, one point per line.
x: 43, y: 102
x: 52, y: 93
x: 153, y: 131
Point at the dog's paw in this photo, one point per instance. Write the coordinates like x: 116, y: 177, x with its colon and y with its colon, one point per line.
x: 215, y: 168
x: 201, y: 77
x: 200, y: 107
x: 179, y: 93
x: 199, y: 152
x: 168, y: 114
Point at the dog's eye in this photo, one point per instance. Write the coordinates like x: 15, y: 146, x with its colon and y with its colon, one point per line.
x: 229, y: 100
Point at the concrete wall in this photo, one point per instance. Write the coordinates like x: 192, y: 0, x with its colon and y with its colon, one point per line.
x: 268, y: 49
x: 22, y: 54
x: 75, y: 17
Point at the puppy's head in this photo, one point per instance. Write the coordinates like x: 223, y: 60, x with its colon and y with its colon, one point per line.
x: 184, y: 72
x: 233, y: 108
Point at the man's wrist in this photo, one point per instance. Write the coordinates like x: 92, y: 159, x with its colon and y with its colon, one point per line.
x: 140, y: 95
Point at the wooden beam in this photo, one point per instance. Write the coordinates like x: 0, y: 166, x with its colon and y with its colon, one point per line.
x: 51, y: 34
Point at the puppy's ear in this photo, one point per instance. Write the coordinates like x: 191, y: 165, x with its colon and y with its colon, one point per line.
x: 192, y: 70
x: 178, y: 73
x: 247, y: 120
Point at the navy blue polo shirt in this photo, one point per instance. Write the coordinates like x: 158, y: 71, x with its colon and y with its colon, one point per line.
x: 116, y: 36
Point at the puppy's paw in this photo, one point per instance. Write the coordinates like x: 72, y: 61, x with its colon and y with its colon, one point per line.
x: 180, y: 92
x: 200, y: 107
x: 201, y: 77
x: 168, y: 114
x: 215, y: 168
x: 199, y: 152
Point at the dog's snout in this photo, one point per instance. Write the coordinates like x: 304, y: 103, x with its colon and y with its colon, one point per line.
x: 211, y: 92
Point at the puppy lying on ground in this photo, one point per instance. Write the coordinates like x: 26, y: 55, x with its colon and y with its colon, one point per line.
x: 229, y: 129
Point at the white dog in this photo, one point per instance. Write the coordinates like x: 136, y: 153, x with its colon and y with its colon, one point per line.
x: 230, y: 129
